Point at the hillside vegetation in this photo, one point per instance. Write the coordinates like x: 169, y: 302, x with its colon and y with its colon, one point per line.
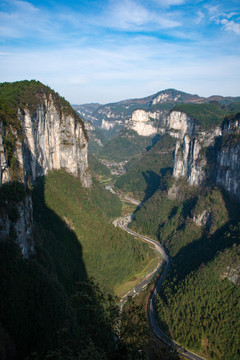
x: 49, y: 303
x: 198, y: 305
x: 201, y: 311
x: 210, y: 114
x: 109, y: 255
x: 97, y: 168
x: 145, y: 174
x: 125, y: 145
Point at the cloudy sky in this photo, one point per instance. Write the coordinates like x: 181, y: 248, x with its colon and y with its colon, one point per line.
x: 109, y: 50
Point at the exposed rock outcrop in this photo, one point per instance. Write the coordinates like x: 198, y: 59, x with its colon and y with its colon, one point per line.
x: 19, y: 225
x: 141, y: 123
x: 233, y: 274
x: 203, y: 219
x: 107, y: 125
x: 179, y: 124
x: 52, y: 141
x: 188, y: 161
x: 165, y: 97
x: 45, y: 135
x: 228, y: 158
x: 4, y: 170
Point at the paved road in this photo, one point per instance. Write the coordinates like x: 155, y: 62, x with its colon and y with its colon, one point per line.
x: 123, y: 223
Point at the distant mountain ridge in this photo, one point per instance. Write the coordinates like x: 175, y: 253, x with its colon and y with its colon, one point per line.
x: 106, y: 121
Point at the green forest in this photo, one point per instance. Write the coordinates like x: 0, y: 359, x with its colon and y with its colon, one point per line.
x: 107, y: 252
x: 198, y: 305
x: 210, y: 114
x: 146, y: 173
x: 125, y: 145
x: 49, y: 304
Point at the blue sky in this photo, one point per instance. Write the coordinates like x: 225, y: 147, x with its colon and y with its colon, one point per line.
x: 110, y: 50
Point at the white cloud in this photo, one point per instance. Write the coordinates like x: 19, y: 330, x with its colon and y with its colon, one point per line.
x: 129, y: 13
x: 132, y: 16
x: 20, y: 19
x: 98, y: 57
x: 200, y: 17
x: 133, y: 68
x: 224, y: 18
x: 230, y: 25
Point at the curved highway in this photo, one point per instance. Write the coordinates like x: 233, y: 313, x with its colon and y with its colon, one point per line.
x: 123, y: 223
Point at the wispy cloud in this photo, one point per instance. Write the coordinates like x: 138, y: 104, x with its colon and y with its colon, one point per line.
x: 21, y: 19
x: 229, y: 19
x: 121, y: 48
x: 132, y: 16
x: 200, y: 17
x: 230, y: 25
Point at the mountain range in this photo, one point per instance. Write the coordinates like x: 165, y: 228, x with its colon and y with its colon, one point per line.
x: 147, y: 117
x: 181, y: 155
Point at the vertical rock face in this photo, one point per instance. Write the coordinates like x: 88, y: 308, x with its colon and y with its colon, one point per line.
x: 4, y: 171
x: 228, y: 158
x: 188, y: 161
x: 49, y: 137
x: 179, y: 124
x: 190, y: 156
x: 140, y: 122
x: 228, y: 170
x: 190, y: 153
x: 52, y: 140
x: 19, y: 226
x: 24, y: 227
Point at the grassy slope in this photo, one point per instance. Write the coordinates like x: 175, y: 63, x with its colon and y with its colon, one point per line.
x: 109, y: 254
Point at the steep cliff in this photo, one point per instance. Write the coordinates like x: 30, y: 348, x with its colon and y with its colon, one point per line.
x: 214, y: 153
x: 52, y: 136
x: 179, y: 124
x: 39, y: 132
x: 188, y: 161
x: 16, y: 217
x: 141, y: 122
x: 228, y: 156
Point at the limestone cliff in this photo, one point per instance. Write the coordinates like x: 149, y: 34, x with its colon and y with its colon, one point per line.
x: 179, y: 124
x: 141, y: 123
x: 188, y: 161
x: 191, y: 160
x: 228, y: 157
x: 51, y: 140
x: 18, y: 224
x: 38, y: 134
x: 147, y: 123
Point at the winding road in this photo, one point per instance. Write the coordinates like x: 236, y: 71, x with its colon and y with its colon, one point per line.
x: 123, y: 223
